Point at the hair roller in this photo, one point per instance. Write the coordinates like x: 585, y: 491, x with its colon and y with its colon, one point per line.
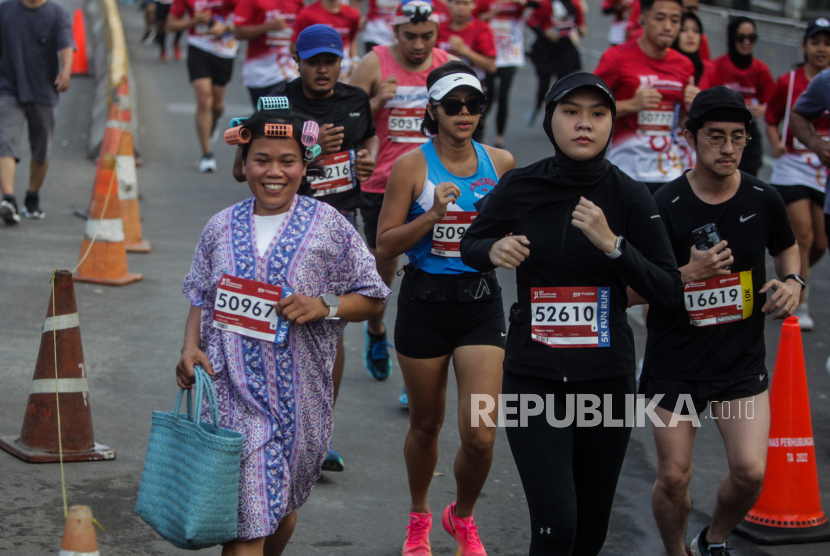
x: 237, y: 135
x: 311, y: 130
x: 272, y: 103
x: 279, y: 130
x: 313, y: 152
x: 237, y: 122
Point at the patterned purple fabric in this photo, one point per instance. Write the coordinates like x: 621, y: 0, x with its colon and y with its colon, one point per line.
x: 279, y: 396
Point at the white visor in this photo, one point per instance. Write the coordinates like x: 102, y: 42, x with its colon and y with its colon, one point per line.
x: 449, y: 82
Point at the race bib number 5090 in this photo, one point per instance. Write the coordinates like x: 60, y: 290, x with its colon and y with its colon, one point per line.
x: 246, y: 307
x: 571, y: 317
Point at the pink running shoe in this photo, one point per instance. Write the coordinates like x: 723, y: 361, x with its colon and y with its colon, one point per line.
x: 417, y: 535
x: 465, y: 533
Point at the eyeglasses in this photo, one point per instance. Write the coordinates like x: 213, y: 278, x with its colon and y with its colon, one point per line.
x: 753, y: 38
x: 453, y: 106
x: 739, y: 141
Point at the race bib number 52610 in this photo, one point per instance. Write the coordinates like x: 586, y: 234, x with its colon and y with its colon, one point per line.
x: 246, y: 307
x: 571, y: 317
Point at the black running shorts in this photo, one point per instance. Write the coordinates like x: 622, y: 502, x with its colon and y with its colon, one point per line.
x: 201, y: 64
x: 424, y: 329
x: 702, y: 391
x: 793, y: 193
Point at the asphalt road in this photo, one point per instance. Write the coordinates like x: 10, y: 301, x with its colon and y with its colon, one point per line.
x: 132, y: 338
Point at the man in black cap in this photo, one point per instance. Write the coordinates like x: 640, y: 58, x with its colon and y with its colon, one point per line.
x: 710, y: 350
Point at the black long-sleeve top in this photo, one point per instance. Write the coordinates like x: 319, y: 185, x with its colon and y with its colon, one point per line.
x: 562, y: 256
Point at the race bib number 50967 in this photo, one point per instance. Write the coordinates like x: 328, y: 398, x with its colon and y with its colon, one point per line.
x: 246, y: 307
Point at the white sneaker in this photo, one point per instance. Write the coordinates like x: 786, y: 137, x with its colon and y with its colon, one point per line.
x: 207, y: 163
x: 8, y: 212
x: 804, y: 318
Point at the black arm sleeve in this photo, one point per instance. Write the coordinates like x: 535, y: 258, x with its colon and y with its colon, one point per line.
x: 647, y: 264
x: 477, y: 240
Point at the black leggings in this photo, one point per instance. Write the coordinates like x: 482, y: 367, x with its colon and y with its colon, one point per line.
x: 569, y: 474
x: 505, y: 77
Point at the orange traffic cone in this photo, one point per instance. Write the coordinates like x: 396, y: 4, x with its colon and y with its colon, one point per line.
x: 127, y: 176
x: 79, y: 533
x: 38, y: 440
x: 105, y: 262
x: 80, y: 63
x: 789, y: 508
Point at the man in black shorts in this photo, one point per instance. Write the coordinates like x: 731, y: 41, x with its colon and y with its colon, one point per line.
x: 347, y: 137
x: 711, y: 350
x: 210, y: 53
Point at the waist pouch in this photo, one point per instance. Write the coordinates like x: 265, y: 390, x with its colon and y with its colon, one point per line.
x: 519, y: 315
x: 467, y: 287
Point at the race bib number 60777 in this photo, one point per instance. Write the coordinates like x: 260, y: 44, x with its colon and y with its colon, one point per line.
x: 246, y: 307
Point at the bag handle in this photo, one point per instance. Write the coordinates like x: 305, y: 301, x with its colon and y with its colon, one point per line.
x: 204, y: 386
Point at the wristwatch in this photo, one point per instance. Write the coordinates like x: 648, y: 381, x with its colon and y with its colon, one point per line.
x: 619, y: 247
x: 797, y: 278
x: 332, y: 302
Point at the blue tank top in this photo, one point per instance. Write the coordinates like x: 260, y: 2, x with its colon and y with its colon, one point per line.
x: 439, y: 251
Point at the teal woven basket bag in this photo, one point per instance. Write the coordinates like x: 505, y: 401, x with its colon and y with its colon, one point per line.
x: 189, y: 491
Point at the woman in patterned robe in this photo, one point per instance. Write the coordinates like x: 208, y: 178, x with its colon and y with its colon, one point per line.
x: 277, y: 394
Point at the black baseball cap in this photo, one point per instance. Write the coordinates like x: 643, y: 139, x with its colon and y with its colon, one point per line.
x: 817, y: 26
x: 720, y: 104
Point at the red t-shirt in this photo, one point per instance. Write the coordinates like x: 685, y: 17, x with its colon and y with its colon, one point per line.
x: 777, y: 107
x: 543, y: 18
x: 708, y: 77
x: 477, y: 35
x: 345, y: 22
x: 755, y: 83
x: 643, y: 144
x: 199, y: 35
x: 268, y: 59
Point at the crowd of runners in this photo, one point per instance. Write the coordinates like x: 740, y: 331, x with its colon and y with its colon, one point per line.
x: 650, y: 197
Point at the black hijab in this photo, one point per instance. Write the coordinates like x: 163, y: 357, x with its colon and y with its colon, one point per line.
x: 554, y: 181
x: 742, y: 61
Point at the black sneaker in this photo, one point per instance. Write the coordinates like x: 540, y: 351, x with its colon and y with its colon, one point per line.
x: 31, y: 206
x: 8, y: 210
x: 702, y: 548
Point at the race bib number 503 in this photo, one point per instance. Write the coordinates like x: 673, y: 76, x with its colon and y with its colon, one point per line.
x: 720, y: 299
x: 246, y: 307
x: 571, y: 317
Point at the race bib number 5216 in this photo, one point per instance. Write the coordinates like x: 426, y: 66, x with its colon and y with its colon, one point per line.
x: 246, y: 307
x: 571, y: 317
x: 720, y: 299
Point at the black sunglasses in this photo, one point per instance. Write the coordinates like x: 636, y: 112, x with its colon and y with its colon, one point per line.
x: 743, y: 38
x: 453, y: 106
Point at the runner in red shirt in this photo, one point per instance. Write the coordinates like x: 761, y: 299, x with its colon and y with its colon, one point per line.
x: 506, y: 18
x: 395, y: 78
x: 469, y: 38
x: 798, y: 173
x: 345, y: 20
x: 621, y: 10
x: 635, y: 29
x: 558, y: 25
x: 739, y: 70
x: 268, y: 26
x: 653, y: 86
x: 210, y: 53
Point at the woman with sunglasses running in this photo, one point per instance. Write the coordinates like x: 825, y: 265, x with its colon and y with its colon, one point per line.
x: 446, y: 310
x: 739, y: 70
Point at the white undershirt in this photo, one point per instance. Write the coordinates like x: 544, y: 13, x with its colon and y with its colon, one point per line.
x: 266, y: 228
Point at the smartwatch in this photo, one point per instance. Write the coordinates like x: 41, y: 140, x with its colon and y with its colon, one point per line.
x: 619, y: 247
x: 332, y: 302
x: 797, y: 278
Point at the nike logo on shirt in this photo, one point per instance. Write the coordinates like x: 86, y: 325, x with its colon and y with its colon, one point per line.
x: 745, y: 218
